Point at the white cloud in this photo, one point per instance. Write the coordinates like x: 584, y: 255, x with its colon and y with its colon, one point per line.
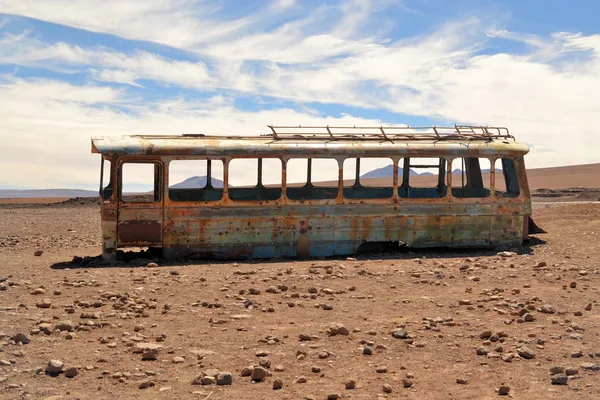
x: 545, y: 94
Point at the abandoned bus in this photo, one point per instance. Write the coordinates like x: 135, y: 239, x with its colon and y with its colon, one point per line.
x: 463, y: 186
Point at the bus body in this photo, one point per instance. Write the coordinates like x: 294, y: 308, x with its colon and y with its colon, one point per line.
x: 467, y: 207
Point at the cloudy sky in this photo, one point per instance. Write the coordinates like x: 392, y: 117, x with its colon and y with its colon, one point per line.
x: 71, y: 69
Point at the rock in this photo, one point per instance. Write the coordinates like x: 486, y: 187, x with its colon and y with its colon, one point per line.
x: 526, y: 352
x: 178, y: 360
x: 573, y: 285
x: 247, y: 371
x: 588, y: 307
x: 559, y: 379
x: 482, y: 351
x: 20, y: 338
x: 279, y: 368
x: 462, y: 381
x: 38, y: 253
x: 254, y: 291
x: 46, y: 328
x: 350, y: 384
x: 547, y: 309
x: 387, y: 388
x: 400, y: 334
x: 406, y: 382
x: 54, y: 367
x: 71, y: 372
x: 261, y: 353
x: 152, y: 265
x: 44, y: 303
x: 277, y: 384
x: 146, y: 384
x: 503, y: 390
x: 66, y: 325
x: 556, y: 370
x: 224, y: 378
x: 38, y: 291
x: 338, y: 329
x: 204, y: 380
x: 464, y: 302
x: 149, y: 354
x: 259, y: 374
x: 571, y: 371
x: 367, y: 351
x: 590, y: 367
x: 485, y: 335
x: 333, y: 396
x: 381, y: 370
x: 301, y: 379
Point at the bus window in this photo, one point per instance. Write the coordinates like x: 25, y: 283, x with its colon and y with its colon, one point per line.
x: 507, y: 179
x: 471, y: 177
x: 255, y: 179
x: 312, y: 178
x: 140, y: 182
x: 368, y: 178
x: 106, y: 186
x: 196, y: 180
x: 422, y: 178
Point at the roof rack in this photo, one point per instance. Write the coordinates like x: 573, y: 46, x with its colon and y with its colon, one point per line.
x: 456, y: 132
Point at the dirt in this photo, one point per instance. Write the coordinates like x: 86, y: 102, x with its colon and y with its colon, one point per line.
x: 204, y: 317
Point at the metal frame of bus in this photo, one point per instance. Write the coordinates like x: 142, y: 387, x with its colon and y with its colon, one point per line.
x: 228, y: 229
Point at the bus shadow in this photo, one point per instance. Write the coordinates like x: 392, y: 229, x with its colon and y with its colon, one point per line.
x: 148, y: 258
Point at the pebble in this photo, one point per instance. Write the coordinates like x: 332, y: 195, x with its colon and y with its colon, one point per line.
x: 337, y: 329
x: 526, y: 352
x: 224, y: 378
x: 44, y: 303
x: 21, y: 338
x: 350, y: 384
x: 406, y: 382
x: 333, y: 396
x: 387, y: 388
x: 277, y: 384
x: 178, y: 360
x: 559, y: 379
x: 258, y: 374
x: 66, y: 325
x: 146, y: 384
x: 71, y: 372
x: 462, y: 381
x: 54, y: 367
x: 381, y: 370
x: 503, y: 390
x: 400, y: 334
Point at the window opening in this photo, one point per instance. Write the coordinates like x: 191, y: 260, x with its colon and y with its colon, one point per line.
x: 196, y: 180
x: 256, y: 179
x: 368, y: 178
x: 507, y: 179
x: 140, y: 182
x: 106, y: 179
x: 320, y: 180
x: 469, y: 180
x: 423, y: 178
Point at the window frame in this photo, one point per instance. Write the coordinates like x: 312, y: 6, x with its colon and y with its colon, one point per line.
x: 158, y: 180
x: 196, y: 158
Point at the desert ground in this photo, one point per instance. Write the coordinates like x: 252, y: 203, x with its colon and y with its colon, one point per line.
x: 412, y: 325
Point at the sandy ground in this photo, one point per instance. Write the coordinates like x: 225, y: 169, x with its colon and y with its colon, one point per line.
x: 542, y: 301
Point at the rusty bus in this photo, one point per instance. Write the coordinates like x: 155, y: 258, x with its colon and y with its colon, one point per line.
x: 465, y: 206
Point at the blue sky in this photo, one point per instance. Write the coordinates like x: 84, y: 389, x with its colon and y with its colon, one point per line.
x: 74, y: 69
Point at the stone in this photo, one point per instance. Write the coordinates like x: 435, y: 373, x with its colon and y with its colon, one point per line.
x: 259, y: 374
x: 338, y: 329
x: 485, y: 335
x: 573, y: 285
x: 20, y: 338
x: 406, y: 382
x: 462, y: 381
x: 152, y: 265
x: 367, y: 351
x: 350, y: 384
x: 559, y: 379
x: 526, y: 352
x: 556, y: 370
x: 333, y: 396
x: 387, y: 388
x: 301, y: 379
x: 547, y: 309
x: 224, y: 378
x: 38, y: 253
x: 400, y: 334
x: 279, y: 368
x: 588, y: 307
x: 71, y: 372
x: 381, y: 370
x: 482, y: 351
x: 54, y: 367
x: 44, y: 303
x: 571, y: 371
x: 178, y: 360
x: 149, y: 354
x: 503, y: 390
x: 66, y: 325
x: 247, y: 371
x: 590, y: 366
x: 146, y: 384
x: 277, y: 384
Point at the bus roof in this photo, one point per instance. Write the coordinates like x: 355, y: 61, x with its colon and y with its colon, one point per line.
x: 323, y: 141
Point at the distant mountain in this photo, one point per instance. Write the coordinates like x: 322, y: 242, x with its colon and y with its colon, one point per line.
x: 45, y: 193
x: 385, y: 172
x: 197, y: 182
